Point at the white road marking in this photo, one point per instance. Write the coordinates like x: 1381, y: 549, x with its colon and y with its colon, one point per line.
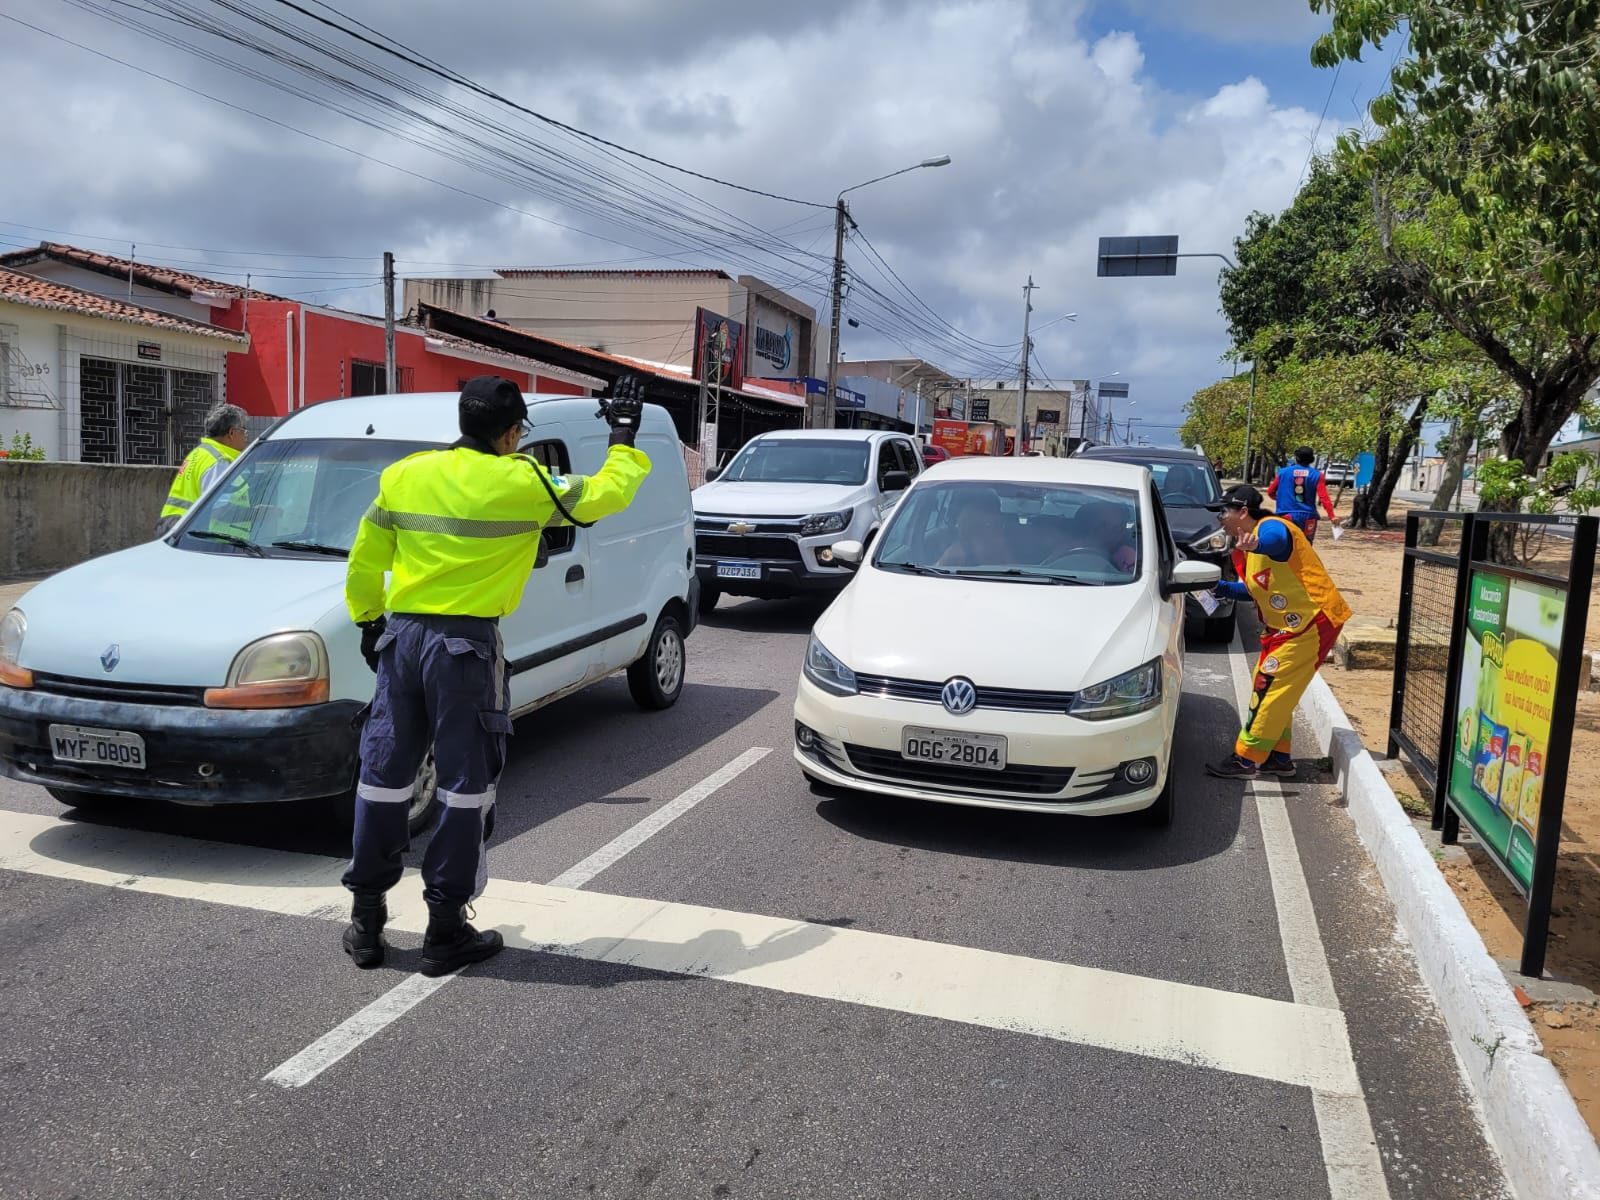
x: 631, y: 839
x: 339, y: 1041
x: 1344, y: 1125
x: 1297, y: 1044
x: 395, y: 1003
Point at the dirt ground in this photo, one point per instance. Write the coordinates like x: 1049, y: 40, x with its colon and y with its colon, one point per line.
x: 1366, y: 567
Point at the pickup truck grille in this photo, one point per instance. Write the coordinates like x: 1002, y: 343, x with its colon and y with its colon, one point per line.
x: 732, y: 545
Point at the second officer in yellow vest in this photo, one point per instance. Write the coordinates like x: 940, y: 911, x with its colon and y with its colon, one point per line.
x: 457, y: 531
x: 225, y: 438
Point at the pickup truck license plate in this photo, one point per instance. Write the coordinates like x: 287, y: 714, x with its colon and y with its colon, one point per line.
x: 97, y: 747
x: 985, y: 751
x: 738, y: 571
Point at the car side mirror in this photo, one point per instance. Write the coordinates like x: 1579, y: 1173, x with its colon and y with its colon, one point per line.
x: 896, y: 481
x: 712, y: 473
x: 849, y: 554
x: 1192, y: 575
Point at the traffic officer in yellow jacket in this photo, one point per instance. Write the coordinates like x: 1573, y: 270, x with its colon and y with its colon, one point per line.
x: 225, y: 438
x: 458, y: 532
x: 1301, y: 613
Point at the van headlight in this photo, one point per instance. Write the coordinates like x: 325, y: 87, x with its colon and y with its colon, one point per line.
x: 827, y: 672
x: 1131, y: 692
x: 818, y: 524
x: 12, y: 628
x: 1212, y: 543
x: 286, y: 670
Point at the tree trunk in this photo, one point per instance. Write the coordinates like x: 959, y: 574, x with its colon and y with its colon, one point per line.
x: 1455, y: 465
x: 1385, y: 482
x: 1527, y: 437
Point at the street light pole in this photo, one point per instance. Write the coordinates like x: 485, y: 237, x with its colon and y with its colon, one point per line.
x: 1022, y: 395
x: 841, y: 217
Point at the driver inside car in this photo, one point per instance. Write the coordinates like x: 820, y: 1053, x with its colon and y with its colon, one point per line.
x: 1099, y: 525
x: 981, y: 538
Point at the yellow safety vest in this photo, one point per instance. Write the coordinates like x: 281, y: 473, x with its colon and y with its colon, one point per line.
x: 1290, y: 595
x: 458, y: 529
x: 186, y: 488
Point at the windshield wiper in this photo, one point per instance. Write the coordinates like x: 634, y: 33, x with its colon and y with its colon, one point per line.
x: 230, y: 539
x: 1031, y: 576
x: 314, y: 548
x: 915, y: 568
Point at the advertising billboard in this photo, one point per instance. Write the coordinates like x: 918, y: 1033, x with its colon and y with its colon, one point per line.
x: 722, y: 340
x: 962, y: 438
x: 1502, y: 730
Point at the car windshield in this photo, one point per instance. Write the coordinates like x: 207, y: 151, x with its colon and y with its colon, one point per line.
x: 799, y: 460
x: 1023, y: 532
x: 1181, y: 484
x: 294, y: 498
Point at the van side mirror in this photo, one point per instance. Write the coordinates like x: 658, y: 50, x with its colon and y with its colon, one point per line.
x: 712, y: 473
x: 896, y: 481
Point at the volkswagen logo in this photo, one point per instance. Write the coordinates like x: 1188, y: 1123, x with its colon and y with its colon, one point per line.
x: 959, y: 696
x: 741, y: 527
x: 111, y: 657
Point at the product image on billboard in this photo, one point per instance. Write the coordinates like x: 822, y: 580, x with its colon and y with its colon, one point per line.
x: 718, y: 349
x: 1502, y: 733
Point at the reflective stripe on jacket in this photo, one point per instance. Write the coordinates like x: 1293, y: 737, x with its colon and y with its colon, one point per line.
x: 458, y: 529
x: 196, y: 475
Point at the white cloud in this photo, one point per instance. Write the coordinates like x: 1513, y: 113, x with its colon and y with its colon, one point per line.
x: 1055, y: 140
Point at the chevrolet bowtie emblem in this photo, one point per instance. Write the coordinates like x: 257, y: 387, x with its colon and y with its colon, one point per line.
x: 741, y: 527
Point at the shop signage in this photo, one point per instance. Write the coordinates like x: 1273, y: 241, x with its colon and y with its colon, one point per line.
x: 774, y: 348
x: 718, y: 349
x: 150, y: 350
x: 1047, y: 416
x: 979, y: 409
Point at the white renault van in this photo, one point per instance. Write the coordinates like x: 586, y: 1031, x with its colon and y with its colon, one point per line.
x: 220, y: 666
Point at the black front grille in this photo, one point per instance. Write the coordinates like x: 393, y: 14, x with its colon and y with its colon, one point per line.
x: 1031, y: 781
x: 120, y: 693
x: 727, y: 545
x: 1007, y: 699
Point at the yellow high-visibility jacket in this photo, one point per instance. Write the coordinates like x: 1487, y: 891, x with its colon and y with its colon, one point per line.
x: 205, y: 462
x: 458, y: 529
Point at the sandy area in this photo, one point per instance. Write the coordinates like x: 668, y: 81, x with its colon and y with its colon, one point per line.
x: 1366, y: 566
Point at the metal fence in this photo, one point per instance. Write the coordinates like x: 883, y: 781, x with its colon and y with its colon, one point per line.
x: 1431, y: 578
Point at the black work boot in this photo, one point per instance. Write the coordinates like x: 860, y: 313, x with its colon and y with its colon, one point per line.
x: 450, y: 943
x: 363, y: 937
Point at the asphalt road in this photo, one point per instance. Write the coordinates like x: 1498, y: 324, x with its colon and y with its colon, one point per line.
x: 761, y: 992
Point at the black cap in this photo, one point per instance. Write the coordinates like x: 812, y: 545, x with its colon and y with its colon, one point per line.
x: 489, y: 406
x: 1242, y: 495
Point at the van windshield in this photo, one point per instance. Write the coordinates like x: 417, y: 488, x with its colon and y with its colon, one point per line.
x: 799, y: 460
x: 293, y: 498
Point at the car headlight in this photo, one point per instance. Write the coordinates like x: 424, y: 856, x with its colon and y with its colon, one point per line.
x: 820, y: 523
x: 1212, y: 543
x: 1131, y: 692
x: 827, y: 672
x: 12, y: 628
x: 286, y: 670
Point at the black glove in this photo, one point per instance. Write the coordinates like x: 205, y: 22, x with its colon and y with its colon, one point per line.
x: 371, y: 631
x: 623, y: 409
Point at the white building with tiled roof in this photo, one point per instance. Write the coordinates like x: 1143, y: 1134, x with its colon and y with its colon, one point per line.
x: 90, y: 378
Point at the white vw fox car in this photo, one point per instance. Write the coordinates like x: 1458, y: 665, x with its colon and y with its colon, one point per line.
x: 1015, y: 640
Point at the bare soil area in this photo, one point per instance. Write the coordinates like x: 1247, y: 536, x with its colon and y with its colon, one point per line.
x: 1366, y: 566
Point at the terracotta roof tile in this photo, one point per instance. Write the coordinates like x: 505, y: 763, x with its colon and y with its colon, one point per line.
x: 149, y: 274
x: 19, y: 288
x: 556, y: 273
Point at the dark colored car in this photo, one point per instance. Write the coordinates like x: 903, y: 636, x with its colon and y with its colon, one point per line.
x: 1191, y: 496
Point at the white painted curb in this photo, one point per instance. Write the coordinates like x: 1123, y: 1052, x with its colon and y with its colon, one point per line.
x: 1548, y: 1151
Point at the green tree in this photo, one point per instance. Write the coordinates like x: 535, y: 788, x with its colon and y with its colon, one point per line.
x: 1496, y: 115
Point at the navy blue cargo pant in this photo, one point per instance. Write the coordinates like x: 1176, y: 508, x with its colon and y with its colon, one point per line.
x: 441, y: 683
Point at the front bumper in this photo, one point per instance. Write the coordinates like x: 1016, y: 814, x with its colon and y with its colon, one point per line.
x: 195, y: 755
x: 777, y: 579
x: 784, y: 562
x: 1056, y: 763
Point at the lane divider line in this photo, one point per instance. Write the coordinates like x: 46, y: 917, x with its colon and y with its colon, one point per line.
x: 1350, y: 1152
x: 403, y: 997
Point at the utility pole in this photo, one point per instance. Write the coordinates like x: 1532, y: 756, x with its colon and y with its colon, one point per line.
x: 841, y: 214
x: 1022, y: 394
x: 391, y: 381
x: 1249, y: 419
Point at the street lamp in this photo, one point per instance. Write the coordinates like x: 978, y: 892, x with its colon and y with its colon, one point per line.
x: 841, y: 215
x: 1110, y: 427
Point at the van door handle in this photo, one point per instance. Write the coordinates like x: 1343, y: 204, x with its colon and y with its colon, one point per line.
x: 574, y: 574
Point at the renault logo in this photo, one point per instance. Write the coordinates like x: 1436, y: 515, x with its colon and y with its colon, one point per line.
x: 111, y: 657
x: 959, y: 696
x: 741, y: 527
